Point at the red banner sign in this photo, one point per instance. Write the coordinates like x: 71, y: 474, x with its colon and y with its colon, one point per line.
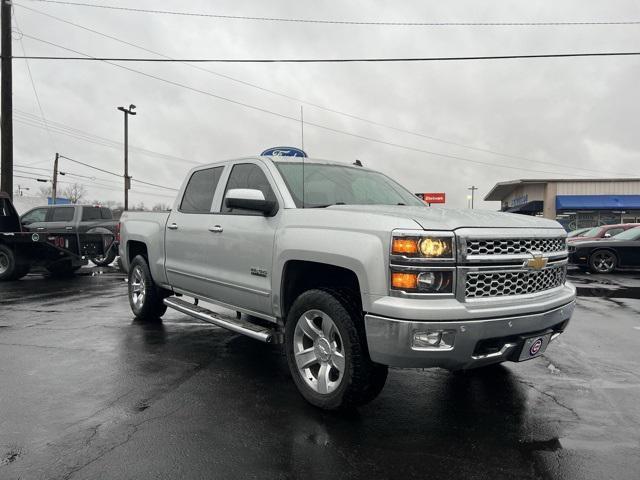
x: 432, y: 197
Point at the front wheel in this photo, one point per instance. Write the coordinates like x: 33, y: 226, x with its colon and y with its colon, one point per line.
x: 145, y: 297
x: 603, y: 261
x: 327, y: 351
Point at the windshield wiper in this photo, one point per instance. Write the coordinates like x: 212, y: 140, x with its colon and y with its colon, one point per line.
x: 325, y: 206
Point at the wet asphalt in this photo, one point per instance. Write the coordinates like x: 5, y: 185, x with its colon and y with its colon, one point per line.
x: 87, y: 392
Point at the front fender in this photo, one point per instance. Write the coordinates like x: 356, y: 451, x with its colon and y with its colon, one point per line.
x: 364, y: 253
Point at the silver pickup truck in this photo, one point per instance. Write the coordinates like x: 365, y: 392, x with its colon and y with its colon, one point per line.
x: 350, y: 271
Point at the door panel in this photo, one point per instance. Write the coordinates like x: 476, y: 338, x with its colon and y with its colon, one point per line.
x: 244, y: 242
x: 188, y: 253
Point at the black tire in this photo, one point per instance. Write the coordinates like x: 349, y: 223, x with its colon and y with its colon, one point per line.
x: 361, y: 379
x: 106, y: 260
x: 10, y: 266
x: 147, y: 303
x: 62, y: 269
x: 603, y: 261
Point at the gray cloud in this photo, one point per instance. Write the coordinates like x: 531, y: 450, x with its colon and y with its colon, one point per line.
x: 569, y: 111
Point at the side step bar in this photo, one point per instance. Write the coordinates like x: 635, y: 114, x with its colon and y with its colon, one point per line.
x: 237, y: 325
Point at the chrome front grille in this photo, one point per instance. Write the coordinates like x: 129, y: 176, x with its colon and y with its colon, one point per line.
x: 513, y: 282
x: 514, y: 246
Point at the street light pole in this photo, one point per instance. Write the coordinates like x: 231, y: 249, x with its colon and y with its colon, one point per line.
x: 127, y: 179
x: 54, y: 186
x: 473, y: 188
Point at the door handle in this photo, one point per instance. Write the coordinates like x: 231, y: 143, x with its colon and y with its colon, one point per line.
x: 40, y: 228
x: 68, y: 228
x: 216, y: 229
x: 173, y: 226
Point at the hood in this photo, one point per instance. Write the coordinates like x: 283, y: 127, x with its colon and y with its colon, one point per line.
x: 452, y: 219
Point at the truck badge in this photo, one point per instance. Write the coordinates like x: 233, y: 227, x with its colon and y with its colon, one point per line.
x: 258, y: 272
x: 538, y: 262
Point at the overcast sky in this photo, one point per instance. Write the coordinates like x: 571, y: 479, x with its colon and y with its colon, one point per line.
x: 572, y: 112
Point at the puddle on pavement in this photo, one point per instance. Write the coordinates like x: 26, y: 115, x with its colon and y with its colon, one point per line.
x: 552, y: 445
x: 609, y: 292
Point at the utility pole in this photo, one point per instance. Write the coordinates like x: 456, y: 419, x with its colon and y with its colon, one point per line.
x: 473, y: 188
x: 127, y: 178
x: 6, y: 102
x: 54, y: 188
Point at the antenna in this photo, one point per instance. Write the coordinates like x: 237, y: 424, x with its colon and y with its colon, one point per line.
x: 302, y: 145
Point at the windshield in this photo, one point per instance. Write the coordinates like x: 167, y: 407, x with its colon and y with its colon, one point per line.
x: 631, y: 234
x: 326, y: 185
x: 592, y: 233
x: 577, y: 233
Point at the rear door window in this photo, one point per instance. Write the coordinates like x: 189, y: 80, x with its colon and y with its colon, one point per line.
x: 106, y: 214
x: 61, y: 214
x: 198, y: 196
x: 90, y: 214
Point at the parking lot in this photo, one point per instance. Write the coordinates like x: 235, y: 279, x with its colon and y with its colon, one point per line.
x: 87, y: 392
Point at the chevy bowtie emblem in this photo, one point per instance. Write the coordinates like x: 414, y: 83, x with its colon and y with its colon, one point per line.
x: 538, y: 262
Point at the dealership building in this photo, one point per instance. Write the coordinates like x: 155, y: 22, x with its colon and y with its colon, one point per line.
x: 574, y: 203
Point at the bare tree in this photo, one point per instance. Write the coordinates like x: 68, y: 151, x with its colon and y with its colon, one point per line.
x: 45, y: 190
x: 75, y: 192
x: 161, y: 207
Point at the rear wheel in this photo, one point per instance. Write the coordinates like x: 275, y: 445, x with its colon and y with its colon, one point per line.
x: 145, y: 297
x: 10, y: 266
x: 327, y: 352
x: 603, y: 261
x: 105, y: 260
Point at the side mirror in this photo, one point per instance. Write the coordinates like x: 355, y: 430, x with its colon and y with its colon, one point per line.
x: 607, y: 235
x: 249, y: 199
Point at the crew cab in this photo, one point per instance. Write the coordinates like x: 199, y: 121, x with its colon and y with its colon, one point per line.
x: 350, y: 271
x: 74, y: 219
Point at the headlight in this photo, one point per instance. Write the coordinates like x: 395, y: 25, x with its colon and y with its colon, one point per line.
x: 436, y: 281
x: 431, y: 246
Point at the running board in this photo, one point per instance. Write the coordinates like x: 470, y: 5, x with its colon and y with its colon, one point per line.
x: 238, y: 325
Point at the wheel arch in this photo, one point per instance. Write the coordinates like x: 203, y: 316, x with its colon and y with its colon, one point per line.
x: 299, y: 276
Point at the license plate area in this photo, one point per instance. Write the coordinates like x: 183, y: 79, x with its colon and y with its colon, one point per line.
x: 534, y: 346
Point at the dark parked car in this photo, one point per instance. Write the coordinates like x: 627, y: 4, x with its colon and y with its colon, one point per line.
x: 603, y: 232
x: 607, y: 255
x: 73, y: 219
x: 578, y: 233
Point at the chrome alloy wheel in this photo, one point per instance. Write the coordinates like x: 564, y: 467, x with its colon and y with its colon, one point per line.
x: 138, y: 288
x: 603, y: 262
x: 4, y: 263
x: 319, y: 351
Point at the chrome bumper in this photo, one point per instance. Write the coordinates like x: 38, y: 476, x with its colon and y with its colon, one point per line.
x: 390, y: 340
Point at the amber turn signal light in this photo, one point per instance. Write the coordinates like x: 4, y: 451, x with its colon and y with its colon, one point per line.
x: 405, y: 246
x: 404, y: 281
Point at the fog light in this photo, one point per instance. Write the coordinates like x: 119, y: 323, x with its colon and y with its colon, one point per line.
x: 433, y: 340
x: 427, y: 339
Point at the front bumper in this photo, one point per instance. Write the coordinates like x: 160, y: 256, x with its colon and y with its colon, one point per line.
x: 474, y: 343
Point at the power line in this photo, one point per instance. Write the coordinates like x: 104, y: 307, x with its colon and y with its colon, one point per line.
x: 33, y: 83
x: 287, y: 117
x: 343, y: 22
x: 62, y: 129
x: 315, y: 105
x: 325, y: 60
x: 91, y: 166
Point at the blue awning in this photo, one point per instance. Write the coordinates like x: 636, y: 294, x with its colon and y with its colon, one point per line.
x: 597, y: 202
